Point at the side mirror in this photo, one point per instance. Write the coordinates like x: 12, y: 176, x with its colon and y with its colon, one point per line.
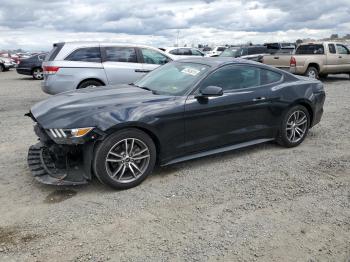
x: 210, y: 91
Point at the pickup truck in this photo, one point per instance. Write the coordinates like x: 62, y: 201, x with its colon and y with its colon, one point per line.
x: 314, y: 59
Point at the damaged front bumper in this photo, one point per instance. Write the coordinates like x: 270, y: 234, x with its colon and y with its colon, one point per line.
x: 43, y: 168
x: 60, y: 164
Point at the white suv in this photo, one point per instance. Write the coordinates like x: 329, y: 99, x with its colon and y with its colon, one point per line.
x: 216, y: 51
x: 182, y: 52
x: 74, y: 65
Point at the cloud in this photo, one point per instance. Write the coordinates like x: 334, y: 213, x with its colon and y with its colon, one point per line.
x: 22, y: 23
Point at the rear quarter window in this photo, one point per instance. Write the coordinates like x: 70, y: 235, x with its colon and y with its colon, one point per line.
x: 269, y: 77
x: 89, y: 54
x: 312, y: 49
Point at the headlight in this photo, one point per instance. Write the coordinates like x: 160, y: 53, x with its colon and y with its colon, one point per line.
x: 69, y: 133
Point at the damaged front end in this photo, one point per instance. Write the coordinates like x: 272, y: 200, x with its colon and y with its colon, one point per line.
x: 58, y: 159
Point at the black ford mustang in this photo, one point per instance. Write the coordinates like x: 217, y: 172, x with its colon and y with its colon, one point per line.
x: 182, y: 110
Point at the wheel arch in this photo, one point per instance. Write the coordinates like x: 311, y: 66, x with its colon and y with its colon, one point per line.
x: 90, y: 79
x: 307, y: 104
x: 142, y: 127
x: 35, y: 67
x: 313, y: 64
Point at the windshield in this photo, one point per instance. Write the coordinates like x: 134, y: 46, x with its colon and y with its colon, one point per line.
x: 229, y: 53
x: 175, y: 78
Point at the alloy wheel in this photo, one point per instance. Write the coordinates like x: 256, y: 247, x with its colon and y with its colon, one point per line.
x: 311, y: 74
x: 127, y: 160
x: 38, y: 74
x: 296, y: 126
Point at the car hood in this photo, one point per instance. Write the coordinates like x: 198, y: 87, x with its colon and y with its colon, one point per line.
x: 86, y: 107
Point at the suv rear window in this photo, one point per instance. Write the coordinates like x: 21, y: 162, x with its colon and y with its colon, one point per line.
x: 54, y: 52
x: 312, y: 49
x: 257, y: 50
x: 88, y: 54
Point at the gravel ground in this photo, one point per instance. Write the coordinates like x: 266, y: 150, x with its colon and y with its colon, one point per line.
x: 264, y: 203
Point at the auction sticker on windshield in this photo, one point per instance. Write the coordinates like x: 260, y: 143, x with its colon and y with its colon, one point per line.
x: 190, y: 71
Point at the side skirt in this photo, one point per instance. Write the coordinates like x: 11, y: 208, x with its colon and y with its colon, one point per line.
x: 218, y: 150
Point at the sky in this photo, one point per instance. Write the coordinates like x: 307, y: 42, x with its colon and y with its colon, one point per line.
x: 36, y: 24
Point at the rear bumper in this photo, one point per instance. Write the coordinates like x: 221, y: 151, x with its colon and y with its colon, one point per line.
x: 9, y: 65
x: 54, y: 84
x: 318, y: 111
x: 298, y: 70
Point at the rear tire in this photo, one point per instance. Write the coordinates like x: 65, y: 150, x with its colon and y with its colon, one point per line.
x: 294, y: 127
x: 89, y: 83
x: 38, y: 74
x: 125, y: 158
x: 312, y: 72
x: 2, y: 68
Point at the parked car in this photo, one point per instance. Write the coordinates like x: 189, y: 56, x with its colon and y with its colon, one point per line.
x: 76, y: 65
x: 205, y: 49
x: 254, y: 53
x: 32, y: 66
x: 314, y: 59
x: 229, y: 52
x: 320, y: 59
x: 13, y: 58
x: 186, y: 109
x: 282, y: 48
x: 6, y: 64
x: 182, y: 52
x: 216, y: 51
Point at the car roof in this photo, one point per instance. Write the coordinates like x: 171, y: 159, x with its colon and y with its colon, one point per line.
x: 216, y: 61
x: 98, y: 43
x: 68, y: 47
x: 178, y: 47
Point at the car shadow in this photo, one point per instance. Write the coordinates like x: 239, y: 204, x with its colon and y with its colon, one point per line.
x: 335, y: 78
x: 26, y: 78
x: 58, y: 193
x: 208, y: 160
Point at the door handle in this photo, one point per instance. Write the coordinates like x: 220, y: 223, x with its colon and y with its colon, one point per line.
x: 340, y: 56
x: 142, y: 70
x: 276, y: 57
x: 259, y: 98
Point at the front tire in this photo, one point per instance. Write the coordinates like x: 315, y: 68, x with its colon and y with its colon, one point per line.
x: 2, y: 68
x: 294, y: 127
x: 125, y: 158
x: 312, y: 72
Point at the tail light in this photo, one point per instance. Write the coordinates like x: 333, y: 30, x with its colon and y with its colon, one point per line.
x: 293, y: 62
x: 50, y: 70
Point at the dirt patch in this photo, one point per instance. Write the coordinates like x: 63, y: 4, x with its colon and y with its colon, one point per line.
x: 13, y: 236
x: 58, y: 196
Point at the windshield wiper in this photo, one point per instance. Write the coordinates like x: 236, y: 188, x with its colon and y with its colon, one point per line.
x: 145, y: 88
